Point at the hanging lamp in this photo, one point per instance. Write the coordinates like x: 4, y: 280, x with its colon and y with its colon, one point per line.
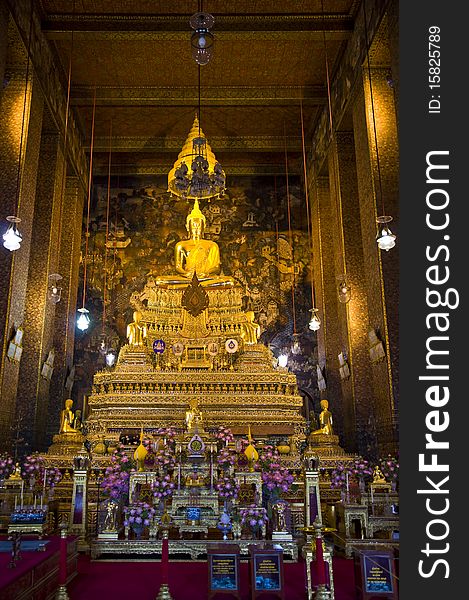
x: 12, y: 238
x: 384, y: 237
x: 315, y: 321
x: 83, y: 321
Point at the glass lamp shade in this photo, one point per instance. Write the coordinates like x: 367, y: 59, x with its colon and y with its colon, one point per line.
x: 315, y: 322
x: 202, y: 39
x: 345, y: 292
x: 12, y: 237
x: 282, y: 360
x: 83, y: 321
x: 110, y: 358
x: 385, y: 238
x: 295, y: 347
x: 54, y: 294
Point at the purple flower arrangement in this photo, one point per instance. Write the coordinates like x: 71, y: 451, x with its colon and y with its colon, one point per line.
x: 116, y: 478
x: 358, y: 469
x: 33, y: 469
x: 226, y: 458
x: 7, y: 466
x: 227, y: 488
x: 138, y: 515
x: 53, y: 477
x: 277, y: 478
x: 390, y: 467
x: 163, y: 487
x: 225, y: 435
x: 254, y: 516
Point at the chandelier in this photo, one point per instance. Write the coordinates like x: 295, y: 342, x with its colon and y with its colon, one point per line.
x: 202, y: 39
x: 196, y: 174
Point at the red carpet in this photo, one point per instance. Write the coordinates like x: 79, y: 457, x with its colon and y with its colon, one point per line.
x: 187, y: 580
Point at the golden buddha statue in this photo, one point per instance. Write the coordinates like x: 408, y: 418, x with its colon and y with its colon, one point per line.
x: 196, y: 255
x: 16, y: 475
x: 378, y: 476
x: 136, y: 332
x: 67, y: 418
x: 250, y: 331
x: 250, y: 452
x: 194, y: 417
x: 325, y: 420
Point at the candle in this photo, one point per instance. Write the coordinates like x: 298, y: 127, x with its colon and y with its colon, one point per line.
x: 44, y: 485
x: 211, y: 472
x: 179, y: 476
x: 16, y: 501
x: 34, y: 500
x: 22, y: 493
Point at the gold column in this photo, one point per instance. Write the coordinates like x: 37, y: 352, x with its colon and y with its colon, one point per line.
x: 381, y: 268
x: 65, y: 311
x: 14, y: 266
x: 353, y: 314
x: 331, y: 336
x: 33, y: 388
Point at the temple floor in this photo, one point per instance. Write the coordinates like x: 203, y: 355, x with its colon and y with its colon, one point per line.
x: 187, y: 580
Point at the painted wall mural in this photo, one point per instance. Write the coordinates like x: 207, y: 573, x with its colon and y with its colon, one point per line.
x: 257, y: 247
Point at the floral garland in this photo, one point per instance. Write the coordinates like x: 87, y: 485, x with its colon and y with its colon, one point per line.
x: 116, y: 478
x: 140, y: 513
x: 7, y: 465
x: 227, y: 488
x: 390, y: 467
x: 254, y: 516
x: 163, y: 487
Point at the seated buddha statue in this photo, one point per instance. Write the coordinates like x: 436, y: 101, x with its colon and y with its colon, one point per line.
x: 136, y: 331
x: 194, y: 417
x: 67, y: 418
x: 196, y: 255
x: 325, y: 420
x: 250, y: 331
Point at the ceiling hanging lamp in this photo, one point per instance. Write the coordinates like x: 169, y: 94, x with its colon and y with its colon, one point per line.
x: 202, y: 39
x: 295, y: 346
x: 315, y: 321
x: 385, y: 237
x: 12, y: 238
x: 54, y: 290
x: 83, y: 320
x: 344, y: 288
x: 196, y: 174
x: 105, y: 344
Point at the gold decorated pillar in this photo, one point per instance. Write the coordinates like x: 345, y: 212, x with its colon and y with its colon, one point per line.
x: 14, y: 266
x: 329, y: 335
x: 381, y: 268
x: 34, y: 378
x: 353, y: 314
x: 65, y: 310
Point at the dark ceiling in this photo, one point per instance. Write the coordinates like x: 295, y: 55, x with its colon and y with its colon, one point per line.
x: 269, y: 57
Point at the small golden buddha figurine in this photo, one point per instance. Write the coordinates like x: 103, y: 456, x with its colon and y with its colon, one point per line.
x: 325, y: 420
x: 194, y: 416
x: 16, y: 473
x: 67, y: 418
x: 250, y: 331
x: 136, y: 332
x: 196, y: 255
x: 194, y: 480
x: 378, y: 476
